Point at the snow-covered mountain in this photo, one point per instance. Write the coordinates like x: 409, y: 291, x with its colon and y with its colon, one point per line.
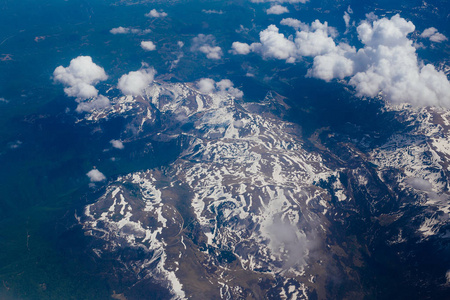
x: 253, y: 209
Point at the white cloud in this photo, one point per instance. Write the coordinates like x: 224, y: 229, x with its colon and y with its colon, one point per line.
x: 129, y: 30
x: 135, y: 82
x: 294, y: 23
x: 240, y: 48
x: 148, y: 45
x: 212, y: 52
x: 438, y: 38
x: 433, y: 34
x: 386, y: 63
x: 117, y: 144
x: 80, y: 77
x: 3, y: 100
x: 419, y: 184
x: 120, y: 30
x: 156, y: 14
x: 312, y: 40
x: 180, y: 55
x: 206, y: 85
x: 277, y: 10
x: 96, y: 103
x: 315, y: 41
x: 274, y: 44
x: 428, y: 32
x: 371, y: 17
x: 95, y: 175
x: 223, y: 87
x: 330, y: 66
x: 226, y: 86
x: 212, y: 11
x: 349, y: 10
x: 206, y: 45
x: 15, y: 144
x: 347, y: 19
x: 387, y: 32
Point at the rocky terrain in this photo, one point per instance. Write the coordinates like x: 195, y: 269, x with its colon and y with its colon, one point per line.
x: 252, y: 208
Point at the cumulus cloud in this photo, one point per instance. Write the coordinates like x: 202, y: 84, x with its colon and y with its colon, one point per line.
x: 120, y: 30
x: 96, y: 103
x: 371, y: 17
x: 314, y: 39
x: 223, y: 87
x: 438, y: 38
x: 294, y: 23
x: 277, y: 10
x: 3, y: 100
x: 80, y: 77
x: 274, y: 45
x: 129, y: 30
x: 95, y: 175
x: 331, y: 65
x: 148, y: 45
x: 207, y: 45
x: 156, y: 14
x: 240, y: 48
x: 212, y: 52
x: 317, y: 40
x: 117, y: 144
x: 135, y: 82
x: 226, y: 86
x: 387, y: 63
x: 433, y: 34
x: 206, y: 85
